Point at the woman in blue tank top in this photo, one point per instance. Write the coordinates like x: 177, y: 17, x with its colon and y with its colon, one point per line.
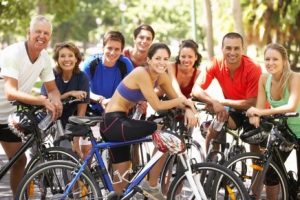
x: 139, y: 85
x: 281, y: 89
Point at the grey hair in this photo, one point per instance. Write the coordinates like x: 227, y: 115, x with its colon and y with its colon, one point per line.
x: 39, y: 18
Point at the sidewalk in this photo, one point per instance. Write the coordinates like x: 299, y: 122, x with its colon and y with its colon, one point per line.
x: 5, y: 192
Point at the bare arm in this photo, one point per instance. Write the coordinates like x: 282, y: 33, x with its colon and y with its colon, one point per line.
x: 54, y: 97
x: 174, y: 81
x: 78, y: 94
x: 147, y: 89
x: 202, y: 95
x: 291, y: 106
x: 81, y: 109
x: 243, y: 104
x: 13, y: 94
x: 189, y: 117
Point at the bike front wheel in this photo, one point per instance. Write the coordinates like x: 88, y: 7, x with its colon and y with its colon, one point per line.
x: 50, y: 180
x: 231, y: 187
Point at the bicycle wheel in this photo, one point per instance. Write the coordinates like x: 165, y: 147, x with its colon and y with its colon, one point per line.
x: 232, y: 187
x: 52, y: 153
x: 248, y: 166
x: 171, y: 168
x: 49, y: 181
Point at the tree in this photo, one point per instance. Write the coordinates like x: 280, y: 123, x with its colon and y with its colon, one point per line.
x: 237, y: 16
x: 14, y: 19
x: 274, y: 21
x: 209, y: 29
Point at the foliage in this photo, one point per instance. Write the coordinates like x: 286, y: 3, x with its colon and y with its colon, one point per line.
x: 87, y: 20
x: 14, y: 18
x: 274, y: 21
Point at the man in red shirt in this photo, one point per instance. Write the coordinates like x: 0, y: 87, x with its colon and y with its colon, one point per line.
x: 238, y: 77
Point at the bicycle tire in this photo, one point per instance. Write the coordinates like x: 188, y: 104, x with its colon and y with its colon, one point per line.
x: 170, y: 170
x: 242, y: 165
x: 180, y: 188
x: 52, y: 153
x: 47, y: 181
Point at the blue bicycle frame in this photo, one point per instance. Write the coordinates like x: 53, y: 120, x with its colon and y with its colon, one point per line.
x: 96, y: 146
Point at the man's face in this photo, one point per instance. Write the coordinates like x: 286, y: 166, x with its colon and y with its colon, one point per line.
x: 143, y: 40
x: 111, y: 52
x: 232, y: 50
x: 39, y: 35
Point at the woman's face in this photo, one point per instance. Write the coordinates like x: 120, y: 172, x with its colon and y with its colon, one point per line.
x: 273, y: 61
x: 187, y: 57
x: 111, y: 52
x: 159, y: 62
x: 66, y: 59
x: 143, y: 40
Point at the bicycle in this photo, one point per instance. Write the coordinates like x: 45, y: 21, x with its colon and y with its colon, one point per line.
x: 254, y: 168
x: 173, y: 120
x: 82, y: 185
x: 228, y: 150
x: 26, y: 126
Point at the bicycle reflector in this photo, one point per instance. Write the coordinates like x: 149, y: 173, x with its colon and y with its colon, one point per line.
x: 19, y: 124
x: 168, y: 141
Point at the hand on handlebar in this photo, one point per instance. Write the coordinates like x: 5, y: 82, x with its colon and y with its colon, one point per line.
x: 81, y: 95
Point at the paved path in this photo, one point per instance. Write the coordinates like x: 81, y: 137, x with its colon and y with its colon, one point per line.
x: 5, y: 192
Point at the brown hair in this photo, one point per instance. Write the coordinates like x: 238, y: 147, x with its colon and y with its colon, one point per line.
x: 155, y: 47
x: 194, y: 46
x: 286, y: 71
x: 115, y: 36
x: 72, y: 47
x: 143, y: 27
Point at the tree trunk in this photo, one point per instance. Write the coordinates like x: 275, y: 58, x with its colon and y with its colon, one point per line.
x: 209, y: 29
x: 237, y: 17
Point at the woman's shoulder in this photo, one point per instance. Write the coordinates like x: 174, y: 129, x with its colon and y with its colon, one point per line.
x: 264, y: 77
x: 295, y: 77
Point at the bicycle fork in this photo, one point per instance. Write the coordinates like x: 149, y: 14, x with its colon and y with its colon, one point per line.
x: 195, y: 185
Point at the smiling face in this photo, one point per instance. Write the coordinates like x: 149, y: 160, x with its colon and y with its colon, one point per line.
x: 187, y: 57
x: 143, y: 40
x: 159, y: 61
x: 66, y: 59
x: 232, y: 51
x: 111, y: 52
x: 273, y: 61
x: 39, y: 35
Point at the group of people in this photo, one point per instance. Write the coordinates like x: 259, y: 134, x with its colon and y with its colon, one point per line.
x: 116, y: 80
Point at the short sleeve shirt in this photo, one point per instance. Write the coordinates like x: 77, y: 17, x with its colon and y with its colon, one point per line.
x: 15, y: 63
x: 244, y: 83
x: 105, y: 79
x: 78, y: 82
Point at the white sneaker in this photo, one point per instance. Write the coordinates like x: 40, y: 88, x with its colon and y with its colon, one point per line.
x: 152, y: 192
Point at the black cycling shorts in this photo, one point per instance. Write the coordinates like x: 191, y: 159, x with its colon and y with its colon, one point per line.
x: 7, y: 135
x: 241, y: 120
x: 117, y: 127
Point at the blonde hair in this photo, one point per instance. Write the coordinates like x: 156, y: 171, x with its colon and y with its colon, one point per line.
x: 286, y: 71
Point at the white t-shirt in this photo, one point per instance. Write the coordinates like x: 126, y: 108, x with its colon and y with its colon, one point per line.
x: 15, y: 63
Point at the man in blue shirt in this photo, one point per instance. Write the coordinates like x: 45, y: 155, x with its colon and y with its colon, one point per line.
x: 105, y: 71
